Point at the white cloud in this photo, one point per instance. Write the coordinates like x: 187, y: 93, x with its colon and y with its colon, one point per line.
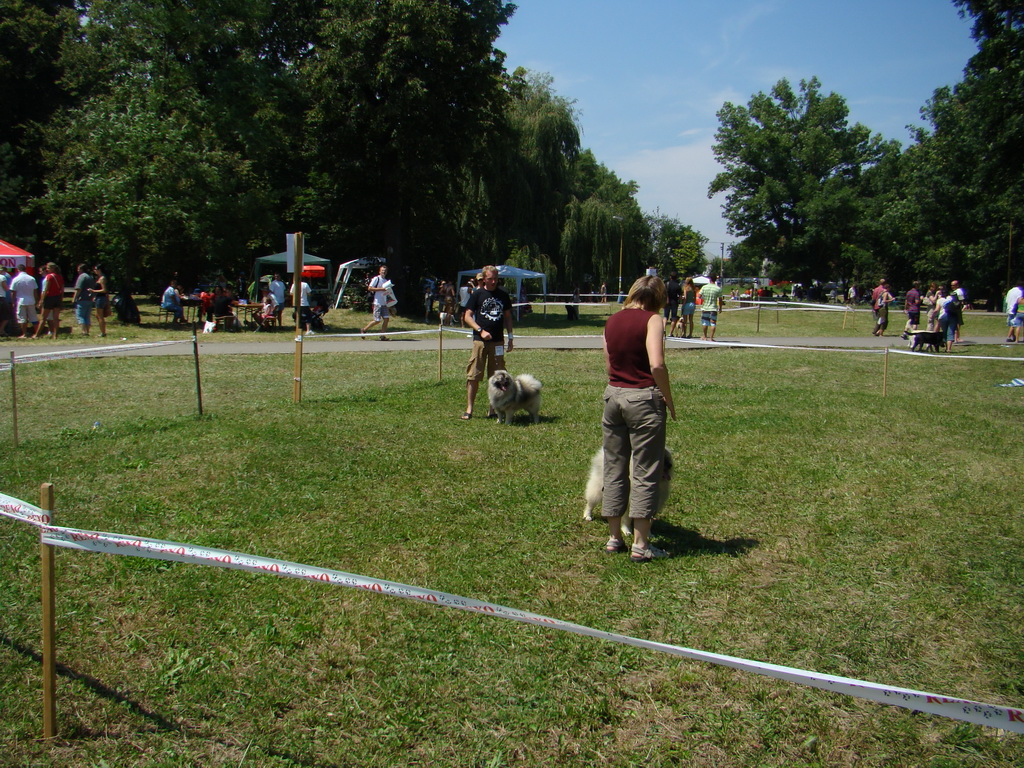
x: 675, y: 180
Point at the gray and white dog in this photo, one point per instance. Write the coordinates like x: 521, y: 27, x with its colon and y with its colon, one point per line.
x: 508, y: 395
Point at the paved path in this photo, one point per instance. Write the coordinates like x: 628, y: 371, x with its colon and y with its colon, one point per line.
x: 452, y: 341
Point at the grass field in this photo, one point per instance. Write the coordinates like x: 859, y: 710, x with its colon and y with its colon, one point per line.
x: 813, y: 524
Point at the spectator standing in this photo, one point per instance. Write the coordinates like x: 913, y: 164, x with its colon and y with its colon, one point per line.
x: 379, y: 286
x: 633, y: 424
x: 689, y: 301
x: 1014, y: 318
x: 5, y: 300
x: 882, y: 301
x: 961, y: 304
x: 277, y: 289
x: 25, y: 297
x: 101, y: 298
x: 51, y: 300
x: 711, y: 305
x: 874, y: 303
x: 673, y: 292
x: 82, y: 298
x: 306, y: 307
x: 572, y: 309
x: 912, y: 306
x: 930, y: 305
x: 489, y: 314
x: 465, y: 292
x: 949, y: 316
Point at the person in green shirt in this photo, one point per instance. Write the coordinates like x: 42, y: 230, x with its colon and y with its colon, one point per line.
x: 711, y: 304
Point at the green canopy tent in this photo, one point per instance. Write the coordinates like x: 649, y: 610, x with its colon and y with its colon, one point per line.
x: 268, y: 265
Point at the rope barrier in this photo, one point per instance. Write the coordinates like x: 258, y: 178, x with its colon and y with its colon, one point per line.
x: 137, y: 546
x: 42, y: 357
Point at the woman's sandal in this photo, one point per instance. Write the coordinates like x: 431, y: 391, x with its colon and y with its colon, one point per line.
x: 466, y: 416
x: 615, y: 545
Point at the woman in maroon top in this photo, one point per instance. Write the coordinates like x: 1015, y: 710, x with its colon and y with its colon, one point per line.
x: 635, y: 403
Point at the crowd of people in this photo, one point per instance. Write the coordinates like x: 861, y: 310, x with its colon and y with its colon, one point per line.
x: 33, y: 305
x: 942, y: 306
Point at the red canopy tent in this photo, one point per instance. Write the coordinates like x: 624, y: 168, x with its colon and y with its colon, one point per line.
x: 12, y: 255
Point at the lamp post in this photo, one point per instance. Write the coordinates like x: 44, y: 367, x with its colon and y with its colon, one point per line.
x: 721, y: 265
x: 619, y: 219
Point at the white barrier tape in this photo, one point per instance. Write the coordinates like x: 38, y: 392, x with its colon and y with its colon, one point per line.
x: 818, y: 307
x: 85, y: 352
x: 318, y: 335
x: 19, y: 510
x: 774, y: 346
x: 111, y: 543
x: 950, y: 356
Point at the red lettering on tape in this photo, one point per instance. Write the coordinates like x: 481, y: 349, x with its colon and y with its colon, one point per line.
x: 319, y: 576
x: 178, y: 551
x: 123, y: 543
x: 224, y: 559
x: 484, y: 608
x: 428, y: 598
x: 944, y: 700
x: 84, y: 536
x: 373, y: 587
x: 1016, y: 716
x: 274, y: 568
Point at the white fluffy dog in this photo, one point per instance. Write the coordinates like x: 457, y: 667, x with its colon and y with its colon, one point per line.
x: 594, y: 493
x: 508, y: 395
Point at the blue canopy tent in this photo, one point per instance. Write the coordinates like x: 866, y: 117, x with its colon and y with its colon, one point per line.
x: 508, y: 274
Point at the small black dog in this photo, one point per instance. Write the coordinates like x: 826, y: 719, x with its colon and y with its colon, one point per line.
x: 932, y: 340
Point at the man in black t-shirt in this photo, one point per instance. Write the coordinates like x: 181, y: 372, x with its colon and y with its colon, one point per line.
x: 674, y: 290
x: 489, y: 314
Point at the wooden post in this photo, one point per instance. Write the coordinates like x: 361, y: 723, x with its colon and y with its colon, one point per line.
x: 195, y: 353
x: 49, y: 623
x: 885, y: 372
x: 296, y: 301
x: 14, y: 400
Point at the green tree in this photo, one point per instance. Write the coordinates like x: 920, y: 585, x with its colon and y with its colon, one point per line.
x: 793, y: 168
x: 533, y: 168
x: 403, y: 92
x: 966, y: 175
x: 605, y: 236
x: 180, y: 156
x: 31, y: 33
x: 676, y: 246
x: 146, y: 189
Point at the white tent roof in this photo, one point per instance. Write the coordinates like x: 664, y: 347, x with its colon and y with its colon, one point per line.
x: 509, y: 272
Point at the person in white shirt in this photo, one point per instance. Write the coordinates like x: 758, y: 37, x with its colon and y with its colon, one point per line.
x: 305, y: 308
x: 25, y: 295
x: 277, y: 290
x: 379, y: 287
x: 1014, y: 318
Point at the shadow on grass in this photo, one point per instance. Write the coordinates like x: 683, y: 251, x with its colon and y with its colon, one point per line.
x: 160, y: 722
x: 683, y: 541
x: 94, y: 685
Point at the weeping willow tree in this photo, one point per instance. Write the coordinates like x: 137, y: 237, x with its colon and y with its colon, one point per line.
x: 605, y: 235
x: 535, y: 181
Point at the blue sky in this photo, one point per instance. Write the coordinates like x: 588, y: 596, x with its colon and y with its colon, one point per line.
x: 648, y: 76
